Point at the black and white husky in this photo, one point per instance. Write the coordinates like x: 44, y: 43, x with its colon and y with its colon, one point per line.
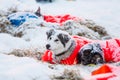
x: 60, y: 43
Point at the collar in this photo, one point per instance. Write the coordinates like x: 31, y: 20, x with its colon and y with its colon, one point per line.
x: 62, y: 53
x: 67, y: 53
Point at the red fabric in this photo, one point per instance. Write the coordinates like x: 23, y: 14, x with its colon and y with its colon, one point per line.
x: 111, y: 50
x: 103, y: 69
x: 111, y: 72
x: 48, y: 57
x: 60, y: 19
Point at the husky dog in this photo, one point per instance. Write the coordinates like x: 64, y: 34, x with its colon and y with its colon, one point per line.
x: 60, y: 43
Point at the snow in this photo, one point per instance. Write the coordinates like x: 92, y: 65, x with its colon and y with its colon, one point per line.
x: 22, y: 69
x: 103, y: 12
x: 8, y: 43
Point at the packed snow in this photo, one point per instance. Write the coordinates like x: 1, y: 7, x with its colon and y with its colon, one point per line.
x: 103, y: 12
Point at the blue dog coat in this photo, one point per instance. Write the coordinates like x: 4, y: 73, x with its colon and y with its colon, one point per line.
x: 19, y: 18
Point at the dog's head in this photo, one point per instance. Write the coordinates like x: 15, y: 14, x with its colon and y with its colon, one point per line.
x: 91, y: 54
x: 58, y: 41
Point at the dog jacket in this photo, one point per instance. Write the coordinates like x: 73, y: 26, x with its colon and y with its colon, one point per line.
x: 72, y: 59
x: 19, y: 18
x: 111, y: 50
x: 60, y: 19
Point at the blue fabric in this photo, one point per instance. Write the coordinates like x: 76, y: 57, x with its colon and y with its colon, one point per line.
x: 19, y: 18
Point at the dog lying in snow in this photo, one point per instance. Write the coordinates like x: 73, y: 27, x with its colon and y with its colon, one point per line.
x: 65, y: 49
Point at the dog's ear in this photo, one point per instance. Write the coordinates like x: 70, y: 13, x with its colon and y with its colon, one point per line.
x: 64, y: 38
x: 50, y: 32
x: 38, y: 12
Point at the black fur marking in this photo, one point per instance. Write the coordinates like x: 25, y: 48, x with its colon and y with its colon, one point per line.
x: 63, y: 38
x: 65, y: 51
x: 49, y: 33
x: 79, y: 58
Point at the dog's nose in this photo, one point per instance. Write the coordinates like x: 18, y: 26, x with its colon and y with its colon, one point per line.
x: 47, y: 46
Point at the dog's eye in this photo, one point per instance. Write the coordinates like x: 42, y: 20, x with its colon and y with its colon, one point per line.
x: 56, y: 40
x: 50, y: 38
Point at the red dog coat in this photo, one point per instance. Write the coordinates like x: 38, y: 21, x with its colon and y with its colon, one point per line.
x: 59, y: 19
x: 110, y: 48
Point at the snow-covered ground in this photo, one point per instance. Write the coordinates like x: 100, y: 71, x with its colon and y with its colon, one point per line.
x: 103, y: 12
